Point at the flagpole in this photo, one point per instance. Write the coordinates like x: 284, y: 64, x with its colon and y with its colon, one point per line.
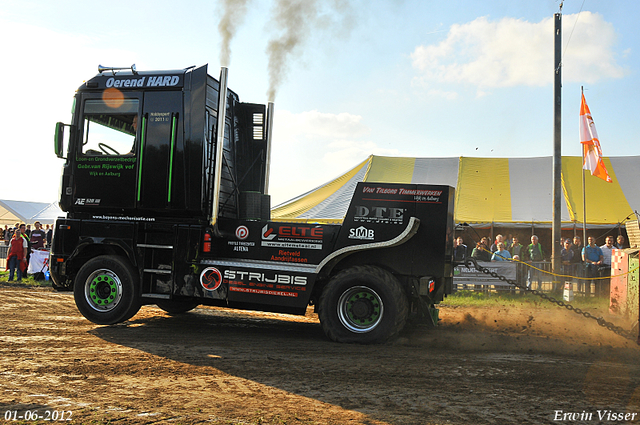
x: 556, y: 228
x: 584, y: 210
x: 584, y: 195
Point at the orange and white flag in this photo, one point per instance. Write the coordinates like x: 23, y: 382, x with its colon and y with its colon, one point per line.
x: 591, y: 151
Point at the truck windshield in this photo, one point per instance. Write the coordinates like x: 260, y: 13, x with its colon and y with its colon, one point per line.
x: 110, y: 127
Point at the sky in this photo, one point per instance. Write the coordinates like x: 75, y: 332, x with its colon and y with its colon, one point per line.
x: 349, y: 78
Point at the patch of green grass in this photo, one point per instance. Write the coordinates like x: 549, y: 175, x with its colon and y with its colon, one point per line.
x: 495, y: 299
x: 27, y: 281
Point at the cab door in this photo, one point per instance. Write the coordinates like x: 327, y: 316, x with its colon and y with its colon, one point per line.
x: 104, y: 162
x: 159, y: 150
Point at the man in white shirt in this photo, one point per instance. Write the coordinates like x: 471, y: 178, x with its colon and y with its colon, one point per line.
x: 607, y: 249
x: 605, y: 269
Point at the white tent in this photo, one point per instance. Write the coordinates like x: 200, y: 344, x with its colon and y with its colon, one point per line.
x: 12, y: 212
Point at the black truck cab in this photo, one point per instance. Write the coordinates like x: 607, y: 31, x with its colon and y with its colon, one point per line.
x: 164, y: 187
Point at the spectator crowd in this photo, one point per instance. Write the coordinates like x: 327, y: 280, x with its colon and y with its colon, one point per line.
x: 21, y: 240
x: 587, y: 266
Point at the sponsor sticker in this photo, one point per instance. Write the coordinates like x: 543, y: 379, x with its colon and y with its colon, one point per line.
x: 271, y: 278
x: 362, y: 233
x: 419, y: 195
x: 241, y: 246
x: 264, y: 292
x: 386, y: 215
x: 292, y: 237
x: 242, y: 232
x: 87, y: 201
x: 152, y: 81
x: 210, y: 278
x: 289, y: 256
x: 268, y: 233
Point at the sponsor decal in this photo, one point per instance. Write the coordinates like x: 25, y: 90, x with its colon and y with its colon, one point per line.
x: 289, y: 256
x: 87, y: 201
x: 386, y: 215
x: 400, y: 191
x: 292, y: 237
x: 160, y: 117
x: 263, y: 291
x: 419, y: 195
x: 241, y: 246
x: 246, y: 276
x: 269, y: 283
x: 380, y: 190
x: 153, y: 81
x: 122, y: 218
x: 242, y: 232
x: 362, y: 233
x: 210, y: 278
x: 268, y: 233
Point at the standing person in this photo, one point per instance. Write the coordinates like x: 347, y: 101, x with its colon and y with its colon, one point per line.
x: 499, y: 239
x: 17, y: 256
x: 576, y: 260
x: 8, y: 233
x: 605, y: 269
x: 515, y: 248
x: 507, y: 241
x: 567, y: 253
x: 592, y: 257
x: 25, y: 237
x: 501, y: 253
x: 607, y: 250
x: 460, y: 250
x: 619, y: 242
x: 38, y: 236
x: 49, y: 235
x: 534, y: 253
x: 481, y: 251
x: 566, y: 257
x: 27, y: 231
x: 576, y: 247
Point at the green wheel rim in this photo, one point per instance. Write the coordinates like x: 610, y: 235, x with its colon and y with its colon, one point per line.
x: 103, y: 290
x: 360, y: 309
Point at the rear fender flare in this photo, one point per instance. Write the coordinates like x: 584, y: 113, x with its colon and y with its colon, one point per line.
x: 330, y: 261
x: 102, y: 246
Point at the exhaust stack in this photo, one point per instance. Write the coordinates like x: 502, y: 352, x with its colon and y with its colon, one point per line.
x: 270, y: 113
x: 221, y: 121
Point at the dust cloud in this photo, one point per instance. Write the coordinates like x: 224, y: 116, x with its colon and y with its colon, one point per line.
x: 525, y: 330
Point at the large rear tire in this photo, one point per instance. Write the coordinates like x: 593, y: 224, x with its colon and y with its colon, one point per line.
x: 106, y: 290
x: 177, y: 306
x: 363, y: 304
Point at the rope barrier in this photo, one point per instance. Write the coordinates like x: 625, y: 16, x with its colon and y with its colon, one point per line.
x: 558, y: 274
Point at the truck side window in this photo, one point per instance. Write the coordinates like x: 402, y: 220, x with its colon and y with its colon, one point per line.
x: 110, y: 127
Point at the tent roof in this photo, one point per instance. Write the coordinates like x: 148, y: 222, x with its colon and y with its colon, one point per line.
x: 12, y: 212
x: 509, y: 191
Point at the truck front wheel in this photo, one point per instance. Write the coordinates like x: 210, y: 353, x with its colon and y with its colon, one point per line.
x: 106, y: 290
x: 363, y: 304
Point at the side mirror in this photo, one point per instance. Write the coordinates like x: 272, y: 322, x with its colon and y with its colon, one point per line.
x: 58, y: 138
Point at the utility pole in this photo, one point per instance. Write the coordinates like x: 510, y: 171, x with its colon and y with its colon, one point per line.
x: 556, y: 231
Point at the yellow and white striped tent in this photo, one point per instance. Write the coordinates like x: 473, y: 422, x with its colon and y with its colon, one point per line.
x: 502, y: 191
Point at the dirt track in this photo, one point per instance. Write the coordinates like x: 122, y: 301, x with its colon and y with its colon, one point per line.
x: 518, y: 365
